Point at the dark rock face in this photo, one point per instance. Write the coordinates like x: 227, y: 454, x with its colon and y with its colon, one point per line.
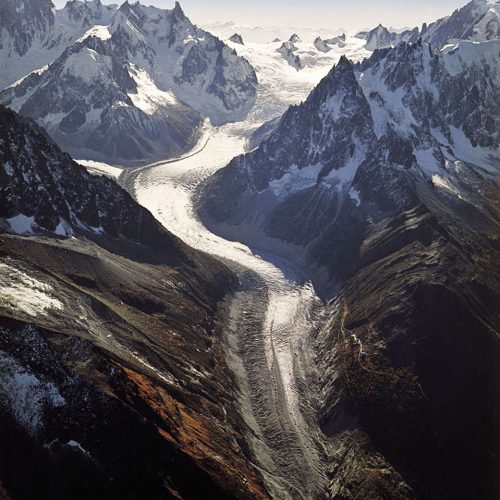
x: 415, y: 356
x: 24, y: 21
x: 113, y: 382
x: 382, y: 185
x: 236, y: 38
x: 287, y: 50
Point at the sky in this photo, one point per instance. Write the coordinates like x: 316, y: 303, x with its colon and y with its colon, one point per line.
x: 333, y: 14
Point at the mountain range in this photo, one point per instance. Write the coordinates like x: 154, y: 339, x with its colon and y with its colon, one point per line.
x: 479, y: 20
x: 135, y: 75
x: 334, y: 331
x: 382, y: 186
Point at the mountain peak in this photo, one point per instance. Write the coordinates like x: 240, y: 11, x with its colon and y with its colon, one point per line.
x: 178, y: 9
x: 343, y: 60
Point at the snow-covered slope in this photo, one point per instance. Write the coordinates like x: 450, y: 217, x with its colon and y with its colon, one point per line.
x: 97, y: 105
x: 378, y: 38
x: 137, y: 89
x: 479, y: 20
x: 363, y: 136
x: 198, y: 67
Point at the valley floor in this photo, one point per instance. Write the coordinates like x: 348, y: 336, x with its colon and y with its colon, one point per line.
x: 271, y: 319
x: 275, y: 310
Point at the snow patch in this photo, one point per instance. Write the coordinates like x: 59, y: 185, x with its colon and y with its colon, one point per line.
x: 21, y: 224
x: 75, y: 444
x: 446, y: 185
x: 355, y: 196
x: 24, y: 395
x: 99, y: 168
x: 22, y: 292
x: 98, y: 31
x: 149, y: 98
x: 295, y: 179
x: 87, y: 64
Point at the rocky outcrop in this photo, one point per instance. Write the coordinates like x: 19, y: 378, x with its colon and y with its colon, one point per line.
x: 379, y: 38
x: 236, y: 38
x: 321, y: 45
x: 287, y: 50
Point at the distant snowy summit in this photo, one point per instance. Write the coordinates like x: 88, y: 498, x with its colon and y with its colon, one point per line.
x: 133, y: 87
x: 478, y: 21
x: 33, y: 33
x: 327, y: 45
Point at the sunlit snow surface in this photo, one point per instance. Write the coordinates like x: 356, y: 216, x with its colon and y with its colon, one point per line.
x: 23, y: 292
x: 281, y: 84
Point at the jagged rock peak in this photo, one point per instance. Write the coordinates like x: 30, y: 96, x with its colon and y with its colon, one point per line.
x: 287, y: 50
x: 321, y: 45
x: 236, y: 38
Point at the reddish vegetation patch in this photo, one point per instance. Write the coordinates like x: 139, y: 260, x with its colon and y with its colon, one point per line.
x: 205, y: 439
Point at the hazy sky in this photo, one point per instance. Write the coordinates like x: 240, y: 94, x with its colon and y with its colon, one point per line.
x: 332, y: 14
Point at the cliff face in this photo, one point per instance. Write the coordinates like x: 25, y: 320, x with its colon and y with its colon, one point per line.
x: 409, y: 356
